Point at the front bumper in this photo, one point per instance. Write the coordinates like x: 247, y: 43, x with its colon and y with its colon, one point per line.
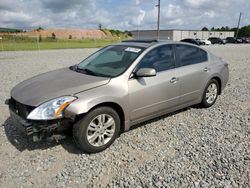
x: 38, y: 130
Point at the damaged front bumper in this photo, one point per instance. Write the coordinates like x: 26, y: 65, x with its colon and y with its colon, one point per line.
x: 38, y: 130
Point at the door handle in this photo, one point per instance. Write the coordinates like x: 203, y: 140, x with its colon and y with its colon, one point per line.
x: 206, y: 69
x: 173, y: 80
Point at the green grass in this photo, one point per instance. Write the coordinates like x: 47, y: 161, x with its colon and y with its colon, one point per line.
x: 25, y: 43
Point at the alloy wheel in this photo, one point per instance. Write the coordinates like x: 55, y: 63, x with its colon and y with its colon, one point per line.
x: 211, y: 93
x: 101, y: 130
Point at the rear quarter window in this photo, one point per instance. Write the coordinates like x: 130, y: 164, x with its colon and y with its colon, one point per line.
x: 203, y: 55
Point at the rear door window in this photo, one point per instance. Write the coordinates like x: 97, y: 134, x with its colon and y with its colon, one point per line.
x: 189, y: 55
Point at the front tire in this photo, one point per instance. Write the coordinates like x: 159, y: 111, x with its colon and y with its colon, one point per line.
x: 97, y: 130
x: 210, y: 93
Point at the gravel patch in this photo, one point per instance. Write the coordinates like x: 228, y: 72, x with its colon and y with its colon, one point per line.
x: 192, y: 147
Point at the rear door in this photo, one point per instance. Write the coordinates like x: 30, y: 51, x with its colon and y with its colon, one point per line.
x: 193, y: 70
x: 152, y: 95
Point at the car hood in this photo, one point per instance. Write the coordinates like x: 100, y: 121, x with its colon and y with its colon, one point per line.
x: 61, y: 82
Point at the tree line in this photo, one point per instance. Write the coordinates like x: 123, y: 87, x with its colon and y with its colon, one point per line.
x: 243, y: 31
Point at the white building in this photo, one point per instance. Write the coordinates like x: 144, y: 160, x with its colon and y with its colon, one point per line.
x: 178, y: 35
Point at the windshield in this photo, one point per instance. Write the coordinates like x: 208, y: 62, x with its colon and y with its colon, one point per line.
x: 110, y: 61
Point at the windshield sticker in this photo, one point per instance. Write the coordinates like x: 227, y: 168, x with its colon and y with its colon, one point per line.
x: 130, y: 49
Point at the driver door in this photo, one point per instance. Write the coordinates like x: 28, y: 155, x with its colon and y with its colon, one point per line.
x: 149, y: 96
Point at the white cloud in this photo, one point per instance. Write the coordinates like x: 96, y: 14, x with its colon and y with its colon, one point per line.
x: 195, y: 3
x: 177, y: 22
x: 138, y: 20
x: 125, y: 14
x: 17, y: 16
x: 137, y: 2
x: 210, y: 14
x: 171, y: 11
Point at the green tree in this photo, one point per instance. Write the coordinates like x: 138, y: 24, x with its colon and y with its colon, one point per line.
x: 40, y: 38
x: 234, y: 29
x: 38, y: 29
x: 53, y: 35
x: 128, y: 33
x: 223, y: 28
x: 100, y: 26
x: 204, y: 29
x: 244, y: 31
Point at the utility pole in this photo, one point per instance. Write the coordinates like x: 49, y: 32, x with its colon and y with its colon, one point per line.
x: 158, y: 21
x: 238, y: 27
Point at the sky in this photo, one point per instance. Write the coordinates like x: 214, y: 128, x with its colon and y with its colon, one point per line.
x: 123, y: 14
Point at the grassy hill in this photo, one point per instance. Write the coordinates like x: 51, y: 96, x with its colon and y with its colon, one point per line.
x: 60, y: 39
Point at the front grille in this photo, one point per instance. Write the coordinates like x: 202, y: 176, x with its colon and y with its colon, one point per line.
x: 20, y: 109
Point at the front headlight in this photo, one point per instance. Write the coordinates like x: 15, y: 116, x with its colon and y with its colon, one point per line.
x: 52, y: 109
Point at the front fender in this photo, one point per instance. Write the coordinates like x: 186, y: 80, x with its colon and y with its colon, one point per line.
x: 83, y: 106
x: 91, y: 98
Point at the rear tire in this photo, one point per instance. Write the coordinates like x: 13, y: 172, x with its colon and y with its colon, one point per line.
x: 97, y: 130
x: 210, y: 93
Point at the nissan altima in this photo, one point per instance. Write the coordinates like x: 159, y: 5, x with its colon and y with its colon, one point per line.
x: 115, y: 88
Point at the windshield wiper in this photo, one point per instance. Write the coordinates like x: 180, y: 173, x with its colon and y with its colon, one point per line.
x: 85, y: 71
x: 88, y: 71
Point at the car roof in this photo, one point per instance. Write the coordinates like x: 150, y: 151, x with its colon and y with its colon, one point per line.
x: 149, y: 43
x: 144, y: 43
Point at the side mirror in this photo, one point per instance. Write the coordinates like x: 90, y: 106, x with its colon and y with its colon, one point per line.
x: 145, y: 72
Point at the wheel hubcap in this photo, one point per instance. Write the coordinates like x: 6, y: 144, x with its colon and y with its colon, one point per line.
x: 100, y: 130
x: 211, y: 93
